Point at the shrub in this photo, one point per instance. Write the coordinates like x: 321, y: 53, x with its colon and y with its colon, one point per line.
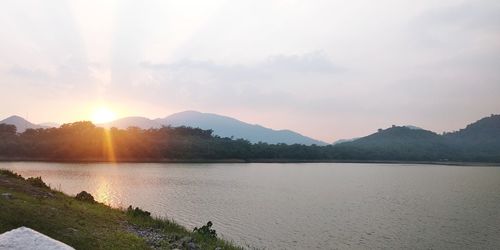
x: 137, y: 212
x: 8, y: 173
x: 84, y: 196
x: 206, y: 230
x: 37, y: 182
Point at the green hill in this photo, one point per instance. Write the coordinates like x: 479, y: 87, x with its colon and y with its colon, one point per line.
x: 479, y: 141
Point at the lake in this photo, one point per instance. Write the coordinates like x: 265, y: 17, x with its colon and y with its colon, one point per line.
x: 302, y: 206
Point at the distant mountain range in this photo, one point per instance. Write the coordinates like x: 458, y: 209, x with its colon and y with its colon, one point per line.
x: 21, y: 123
x: 477, y: 142
x: 49, y: 124
x: 221, y: 125
x: 409, y: 142
x: 133, y: 121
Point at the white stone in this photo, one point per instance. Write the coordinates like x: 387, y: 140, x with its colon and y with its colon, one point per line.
x: 25, y: 238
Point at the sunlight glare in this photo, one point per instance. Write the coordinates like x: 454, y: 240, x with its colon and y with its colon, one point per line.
x: 103, y: 115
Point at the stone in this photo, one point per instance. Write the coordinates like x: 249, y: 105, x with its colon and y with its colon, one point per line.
x: 7, y: 196
x: 26, y: 238
x: 192, y: 246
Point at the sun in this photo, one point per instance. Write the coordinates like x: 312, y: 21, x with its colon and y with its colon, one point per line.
x: 103, y: 115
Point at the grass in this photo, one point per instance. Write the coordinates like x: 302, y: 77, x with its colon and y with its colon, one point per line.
x: 87, y: 225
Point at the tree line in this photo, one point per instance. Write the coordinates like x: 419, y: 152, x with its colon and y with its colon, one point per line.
x: 83, y: 141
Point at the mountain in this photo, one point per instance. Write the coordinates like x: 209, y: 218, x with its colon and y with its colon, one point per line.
x: 50, y: 124
x: 20, y: 123
x: 413, y: 127
x: 487, y: 128
x: 399, y: 134
x: 132, y: 121
x: 229, y: 127
x: 398, y: 143
x: 353, y: 139
x: 479, y: 141
x: 221, y: 125
x: 482, y: 135
x: 344, y: 140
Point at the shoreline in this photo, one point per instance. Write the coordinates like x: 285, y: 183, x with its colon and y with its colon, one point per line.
x: 208, y: 161
x: 83, y: 223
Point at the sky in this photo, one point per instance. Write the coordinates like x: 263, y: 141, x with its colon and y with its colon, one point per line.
x: 326, y: 69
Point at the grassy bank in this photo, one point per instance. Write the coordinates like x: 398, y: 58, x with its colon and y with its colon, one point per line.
x: 84, y: 224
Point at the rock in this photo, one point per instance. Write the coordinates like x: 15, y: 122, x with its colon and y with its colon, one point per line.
x: 26, y: 238
x: 153, y: 237
x: 192, y: 246
x: 84, y: 196
x: 218, y: 248
x: 7, y: 196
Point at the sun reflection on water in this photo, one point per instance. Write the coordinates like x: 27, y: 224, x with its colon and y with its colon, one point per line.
x: 103, y: 192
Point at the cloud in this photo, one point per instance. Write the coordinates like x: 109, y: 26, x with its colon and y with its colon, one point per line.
x: 314, y: 62
x: 359, y: 64
x: 457, y: 26
x: 277, y: 81
x: 57, y: 79
x: 31, y: 73
x: 479, y: 15
x: 279, y: 71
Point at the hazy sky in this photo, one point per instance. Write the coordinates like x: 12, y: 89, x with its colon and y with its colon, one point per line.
x: 327, y: 69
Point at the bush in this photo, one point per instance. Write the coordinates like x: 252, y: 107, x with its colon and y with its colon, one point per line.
x: 8, y: 173
x: 84, y: 196
x: 137, y: 212
x: 37, y: 182
x: 206, y: 230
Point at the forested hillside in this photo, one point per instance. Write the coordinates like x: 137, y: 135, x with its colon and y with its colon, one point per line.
x: 83, y: 141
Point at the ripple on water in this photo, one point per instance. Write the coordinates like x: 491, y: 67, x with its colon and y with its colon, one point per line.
x: 303, y: 206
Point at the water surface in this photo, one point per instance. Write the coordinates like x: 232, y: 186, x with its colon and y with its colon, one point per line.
x: 302, y: 206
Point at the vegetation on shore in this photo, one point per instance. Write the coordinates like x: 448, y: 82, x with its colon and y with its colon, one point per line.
x: 84, y: 223
x: 83, y: 141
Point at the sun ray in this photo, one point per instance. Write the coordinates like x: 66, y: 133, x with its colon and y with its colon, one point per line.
x: 108, y: 146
